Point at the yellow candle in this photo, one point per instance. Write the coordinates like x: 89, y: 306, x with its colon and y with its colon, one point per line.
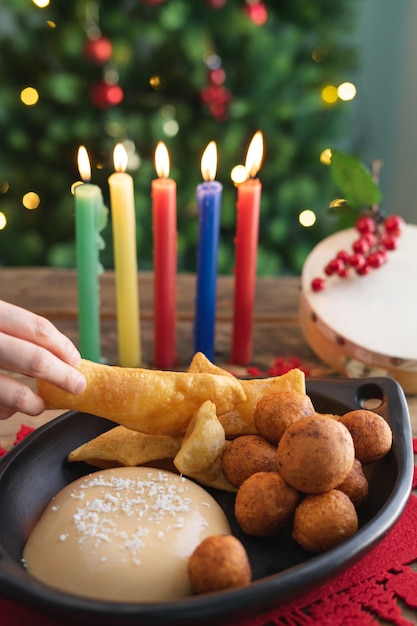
x: 125, y: 261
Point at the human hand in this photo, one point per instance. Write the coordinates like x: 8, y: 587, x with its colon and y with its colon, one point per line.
x: 31, y: 345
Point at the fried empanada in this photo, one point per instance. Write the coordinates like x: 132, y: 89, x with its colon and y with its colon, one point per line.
x: 150, y: 401
x: 125, y: 447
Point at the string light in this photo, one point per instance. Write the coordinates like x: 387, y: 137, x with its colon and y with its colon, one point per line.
x: 31, y: 200
x: 41, y: 4
x: 3, y: 221
x: 170, y: 128
x: 239, y: 174
x: 307, y: 218
x: 29, y: 96
x: 346, y: 91
x: 329, y: 94
x: 326, y: 156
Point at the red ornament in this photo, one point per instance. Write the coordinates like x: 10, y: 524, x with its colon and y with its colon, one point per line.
x: 257, y: 12
x: 98, y: 50
x: 105, y: 95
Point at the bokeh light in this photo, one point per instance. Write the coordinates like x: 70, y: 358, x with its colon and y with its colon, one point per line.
x: 29, y: 96
x: 239, y: 174
x: 329, y: 94
x: 307, y: 218
x: 31, y: 200
x: 346, y: 91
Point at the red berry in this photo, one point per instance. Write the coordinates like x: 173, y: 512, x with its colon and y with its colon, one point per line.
x: 393, y: 224
x: 364, y: 269
x: 334, y: 266
x: 370, y: 238
x: 343, y: 255
x: 343, y: 273
x: 318, y: 284
x: 376, y: 259
x: 365, y: 224
x: 389, y: 242
x: 357, y: 261
x: 360, y: 246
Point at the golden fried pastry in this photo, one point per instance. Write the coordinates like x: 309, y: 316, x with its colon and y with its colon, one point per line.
x: 315, y: 454
x: 246, y: 455
x: 150, y: 401
x: 355, y: 484
x: 265, y: 504
x: 125, y: 447
x: 371, y: 434
x: 322, y: 521
x: 276, y: 411
x: 219, y: 562
x: 239, y: 420
x: 200, y: 453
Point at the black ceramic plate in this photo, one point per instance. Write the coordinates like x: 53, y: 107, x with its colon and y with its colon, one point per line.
x: 37, y: 468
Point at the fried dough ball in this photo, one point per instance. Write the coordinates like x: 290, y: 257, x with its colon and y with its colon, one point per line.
x: 371, y: 434
x: 355, y: 484
x: 315, y: 454
x: 276, y: 411
x: 322, y: 521
x: 246, y: 455
x: 265, y: 504
x: 219, y: 562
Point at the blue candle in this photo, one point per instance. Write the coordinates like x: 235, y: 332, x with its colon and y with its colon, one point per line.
x: 209, y: 196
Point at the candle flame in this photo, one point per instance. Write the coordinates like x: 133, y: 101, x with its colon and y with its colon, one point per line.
x: 84, y: 164
x: 209, y: 162
x: 162, y: 160
x: 255, y: 155
x: 120, y: 158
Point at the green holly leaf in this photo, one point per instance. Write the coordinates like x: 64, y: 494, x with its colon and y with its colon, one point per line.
x: 354, y: 181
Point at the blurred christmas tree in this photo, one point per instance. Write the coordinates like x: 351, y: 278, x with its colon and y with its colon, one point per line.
x: 184, y: 72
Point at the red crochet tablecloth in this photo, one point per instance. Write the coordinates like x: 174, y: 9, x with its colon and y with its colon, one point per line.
x: 371, y: 592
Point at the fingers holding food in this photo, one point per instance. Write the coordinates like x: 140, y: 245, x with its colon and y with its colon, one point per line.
x: 150, y: 401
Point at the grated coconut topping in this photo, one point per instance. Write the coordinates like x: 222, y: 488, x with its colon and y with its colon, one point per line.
x: 155, y: 500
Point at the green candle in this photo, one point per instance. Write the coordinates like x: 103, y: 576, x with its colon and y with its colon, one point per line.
x: 89, y: 211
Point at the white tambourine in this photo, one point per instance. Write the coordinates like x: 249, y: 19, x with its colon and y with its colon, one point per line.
x: 364, y: 325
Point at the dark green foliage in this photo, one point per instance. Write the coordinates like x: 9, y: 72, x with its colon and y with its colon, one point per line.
x: 275, y: 86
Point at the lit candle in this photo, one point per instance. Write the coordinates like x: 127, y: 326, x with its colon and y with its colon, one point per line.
x: 248, y: 209
x: 125, y: 261
x: 209, y: 196
x: 88, y: 203
x: 164, y: 214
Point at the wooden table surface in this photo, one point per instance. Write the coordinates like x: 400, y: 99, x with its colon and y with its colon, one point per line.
x: 53, y: 294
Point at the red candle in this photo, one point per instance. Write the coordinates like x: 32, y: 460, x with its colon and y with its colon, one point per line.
x: 164, y: 213
x: 246, y: 242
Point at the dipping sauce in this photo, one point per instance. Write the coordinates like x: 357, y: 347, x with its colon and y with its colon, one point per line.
x: 123, y: 534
